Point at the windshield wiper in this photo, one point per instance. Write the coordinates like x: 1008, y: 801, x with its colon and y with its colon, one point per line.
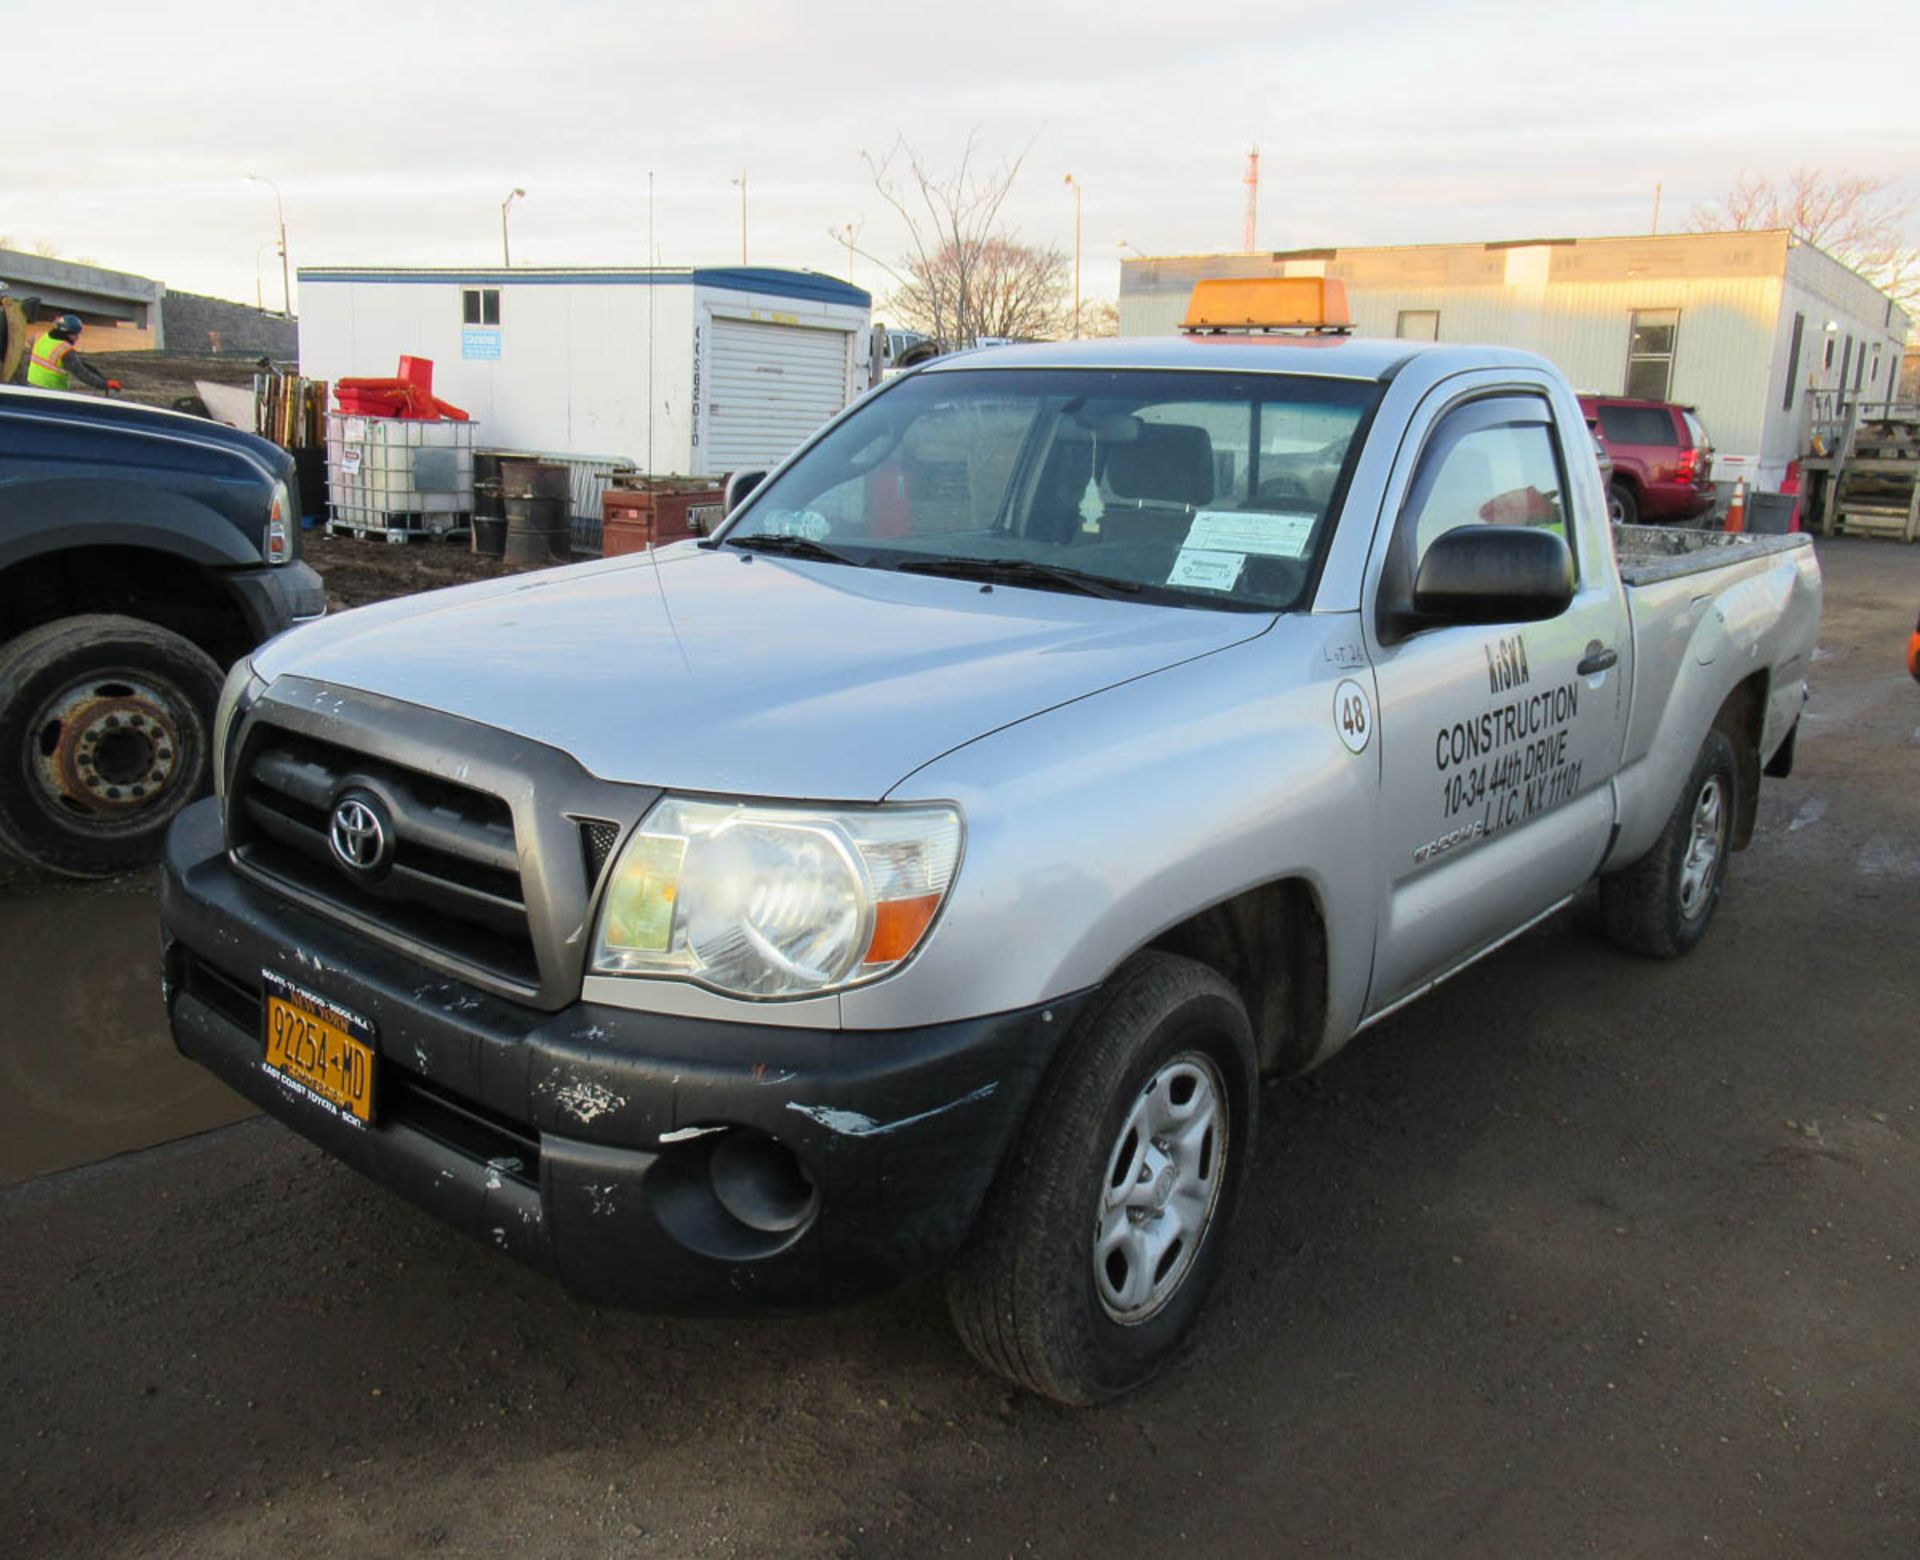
x: 1022, y: 571
x: 792, y: 547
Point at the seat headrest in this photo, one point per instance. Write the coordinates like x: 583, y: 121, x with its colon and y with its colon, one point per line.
x: 1170, y: 463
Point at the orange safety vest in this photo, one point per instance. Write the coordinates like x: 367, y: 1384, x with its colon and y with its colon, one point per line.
x: 47, y: 369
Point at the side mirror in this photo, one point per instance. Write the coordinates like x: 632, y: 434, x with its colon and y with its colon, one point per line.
x: 1492, y: 574
x: 739, y: 485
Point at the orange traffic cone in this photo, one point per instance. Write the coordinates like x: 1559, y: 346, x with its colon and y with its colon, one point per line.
x: 1737, y: 509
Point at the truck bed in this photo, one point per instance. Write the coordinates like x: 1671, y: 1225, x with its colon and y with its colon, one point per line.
x: 1650, y: 553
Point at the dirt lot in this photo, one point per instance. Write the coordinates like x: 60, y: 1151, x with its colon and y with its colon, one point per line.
x: 358, y: 572
x: 1581, y: 1255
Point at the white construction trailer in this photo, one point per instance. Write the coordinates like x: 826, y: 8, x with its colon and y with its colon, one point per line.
x: 681, y: 371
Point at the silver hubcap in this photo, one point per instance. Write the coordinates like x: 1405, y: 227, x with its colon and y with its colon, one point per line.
x: 1704, y: 844
x: 1162, y: 1182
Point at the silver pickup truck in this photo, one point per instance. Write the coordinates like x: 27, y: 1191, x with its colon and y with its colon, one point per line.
x: 927, y: 869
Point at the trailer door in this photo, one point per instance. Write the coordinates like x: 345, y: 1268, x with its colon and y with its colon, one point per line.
x: 768, y: 387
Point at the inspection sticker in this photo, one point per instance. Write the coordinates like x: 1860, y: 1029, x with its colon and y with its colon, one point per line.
x: 1263, y: 534
x: 1206, y: 570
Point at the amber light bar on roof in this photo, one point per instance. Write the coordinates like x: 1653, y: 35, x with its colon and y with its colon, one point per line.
x: 1267, y: 303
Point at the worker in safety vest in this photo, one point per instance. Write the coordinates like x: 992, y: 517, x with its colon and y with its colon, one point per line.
x: 56, y: 362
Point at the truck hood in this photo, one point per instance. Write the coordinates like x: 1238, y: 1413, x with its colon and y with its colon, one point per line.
x: 715, y: 671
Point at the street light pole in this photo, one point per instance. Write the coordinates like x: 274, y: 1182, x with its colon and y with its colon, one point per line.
x: 506, y: 254
x: 280, y: 213
x: 742, y: 182
x: 1070, y: 179
x: 846, y: 236
x: 259, y: 299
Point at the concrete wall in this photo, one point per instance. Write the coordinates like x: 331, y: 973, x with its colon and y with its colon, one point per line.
x: 213, y: 327
x: 99, y: 296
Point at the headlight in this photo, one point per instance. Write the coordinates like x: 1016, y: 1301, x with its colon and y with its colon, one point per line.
x: 237, y: 696
x: 775, y: 901
x: 280, y: 522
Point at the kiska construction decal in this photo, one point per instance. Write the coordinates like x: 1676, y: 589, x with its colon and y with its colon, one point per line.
x: 1509, y: 763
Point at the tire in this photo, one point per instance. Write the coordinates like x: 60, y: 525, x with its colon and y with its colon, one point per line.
x: 1074, y: 1284
x: 1622, y: 507
x: 105, y: 729
x: 1660, y: 906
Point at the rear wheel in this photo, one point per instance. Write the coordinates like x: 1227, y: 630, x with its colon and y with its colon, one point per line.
x: 104, y: 736
x: 1622, y: 507
x: 1099, y: 1242
x: 1660, y: 906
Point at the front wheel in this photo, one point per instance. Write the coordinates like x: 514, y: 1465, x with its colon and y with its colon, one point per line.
x: 1622, y: 507
x: 1660, y: 906
x: 1100, y: 1240
x: 104, y: 736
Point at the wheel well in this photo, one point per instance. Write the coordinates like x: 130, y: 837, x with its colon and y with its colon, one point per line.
x: 136, y: 582
x: 1742, y: 717
x: 1271, y: 943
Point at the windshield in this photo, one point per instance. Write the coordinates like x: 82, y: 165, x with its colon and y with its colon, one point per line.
x: 1200, y: 489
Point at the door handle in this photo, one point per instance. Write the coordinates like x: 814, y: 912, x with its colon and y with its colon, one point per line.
x: 1598, y: 659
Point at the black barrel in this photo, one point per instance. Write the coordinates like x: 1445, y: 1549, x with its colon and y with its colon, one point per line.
x: 486, y: 493
x: 489, y: 535
x: 535, y: 479
x: 537, y: 530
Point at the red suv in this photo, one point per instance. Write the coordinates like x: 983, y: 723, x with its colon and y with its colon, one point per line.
x: 1662, y: 461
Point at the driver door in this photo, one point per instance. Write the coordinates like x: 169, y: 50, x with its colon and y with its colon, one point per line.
x: 1498, y: 741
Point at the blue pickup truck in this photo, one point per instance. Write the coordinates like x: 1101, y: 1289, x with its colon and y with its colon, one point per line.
x: 142, y: 552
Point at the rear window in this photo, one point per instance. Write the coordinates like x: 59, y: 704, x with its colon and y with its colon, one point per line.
x: 1638, y: 425
x: 1695, y: 431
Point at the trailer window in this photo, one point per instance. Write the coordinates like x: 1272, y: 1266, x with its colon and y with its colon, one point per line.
x: 1650, y: 343
x: 480, y: 306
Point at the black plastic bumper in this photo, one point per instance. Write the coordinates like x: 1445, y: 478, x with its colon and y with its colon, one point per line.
x: 573, y: 1139
x: 275, y: 598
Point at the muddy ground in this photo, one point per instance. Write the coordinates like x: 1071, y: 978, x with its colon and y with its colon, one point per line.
x: 1580, y: 1255
x: 358, y: 572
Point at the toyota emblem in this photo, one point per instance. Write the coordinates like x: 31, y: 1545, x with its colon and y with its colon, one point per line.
x: 357, y: 835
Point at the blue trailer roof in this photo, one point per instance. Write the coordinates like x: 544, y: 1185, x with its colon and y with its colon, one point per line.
x: 769, y: 280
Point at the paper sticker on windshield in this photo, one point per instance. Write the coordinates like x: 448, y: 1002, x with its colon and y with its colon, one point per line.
x: 1206, y: 570
x: 1264, y: 534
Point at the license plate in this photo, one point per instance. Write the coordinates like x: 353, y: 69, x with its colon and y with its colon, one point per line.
x: 318, y: 1048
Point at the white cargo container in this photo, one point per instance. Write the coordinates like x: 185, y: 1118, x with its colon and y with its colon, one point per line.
x: 743, y: 362
x: 398, y: 477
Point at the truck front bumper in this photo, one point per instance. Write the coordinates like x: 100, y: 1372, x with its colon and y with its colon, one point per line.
x: 671, y: 1163
x: 275, y: 597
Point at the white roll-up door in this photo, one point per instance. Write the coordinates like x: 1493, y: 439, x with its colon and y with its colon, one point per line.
x: 769, y: 387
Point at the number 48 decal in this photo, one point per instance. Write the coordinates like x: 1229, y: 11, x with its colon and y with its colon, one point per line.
x: 1353, y: 715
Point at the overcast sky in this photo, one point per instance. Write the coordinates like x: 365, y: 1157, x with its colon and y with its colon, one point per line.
x: 394, y: 130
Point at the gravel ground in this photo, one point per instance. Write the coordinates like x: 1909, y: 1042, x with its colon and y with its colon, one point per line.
x: 1580, y: 1255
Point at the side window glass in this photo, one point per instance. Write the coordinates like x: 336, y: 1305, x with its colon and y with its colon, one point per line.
x: 1478, y: 471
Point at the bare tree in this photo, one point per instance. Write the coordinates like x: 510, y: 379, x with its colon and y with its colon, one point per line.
x: 993, y: 287
x: 964, y: 276
x: 46, y: 248
x: 1100, y: 317
x: 1857, y: 220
